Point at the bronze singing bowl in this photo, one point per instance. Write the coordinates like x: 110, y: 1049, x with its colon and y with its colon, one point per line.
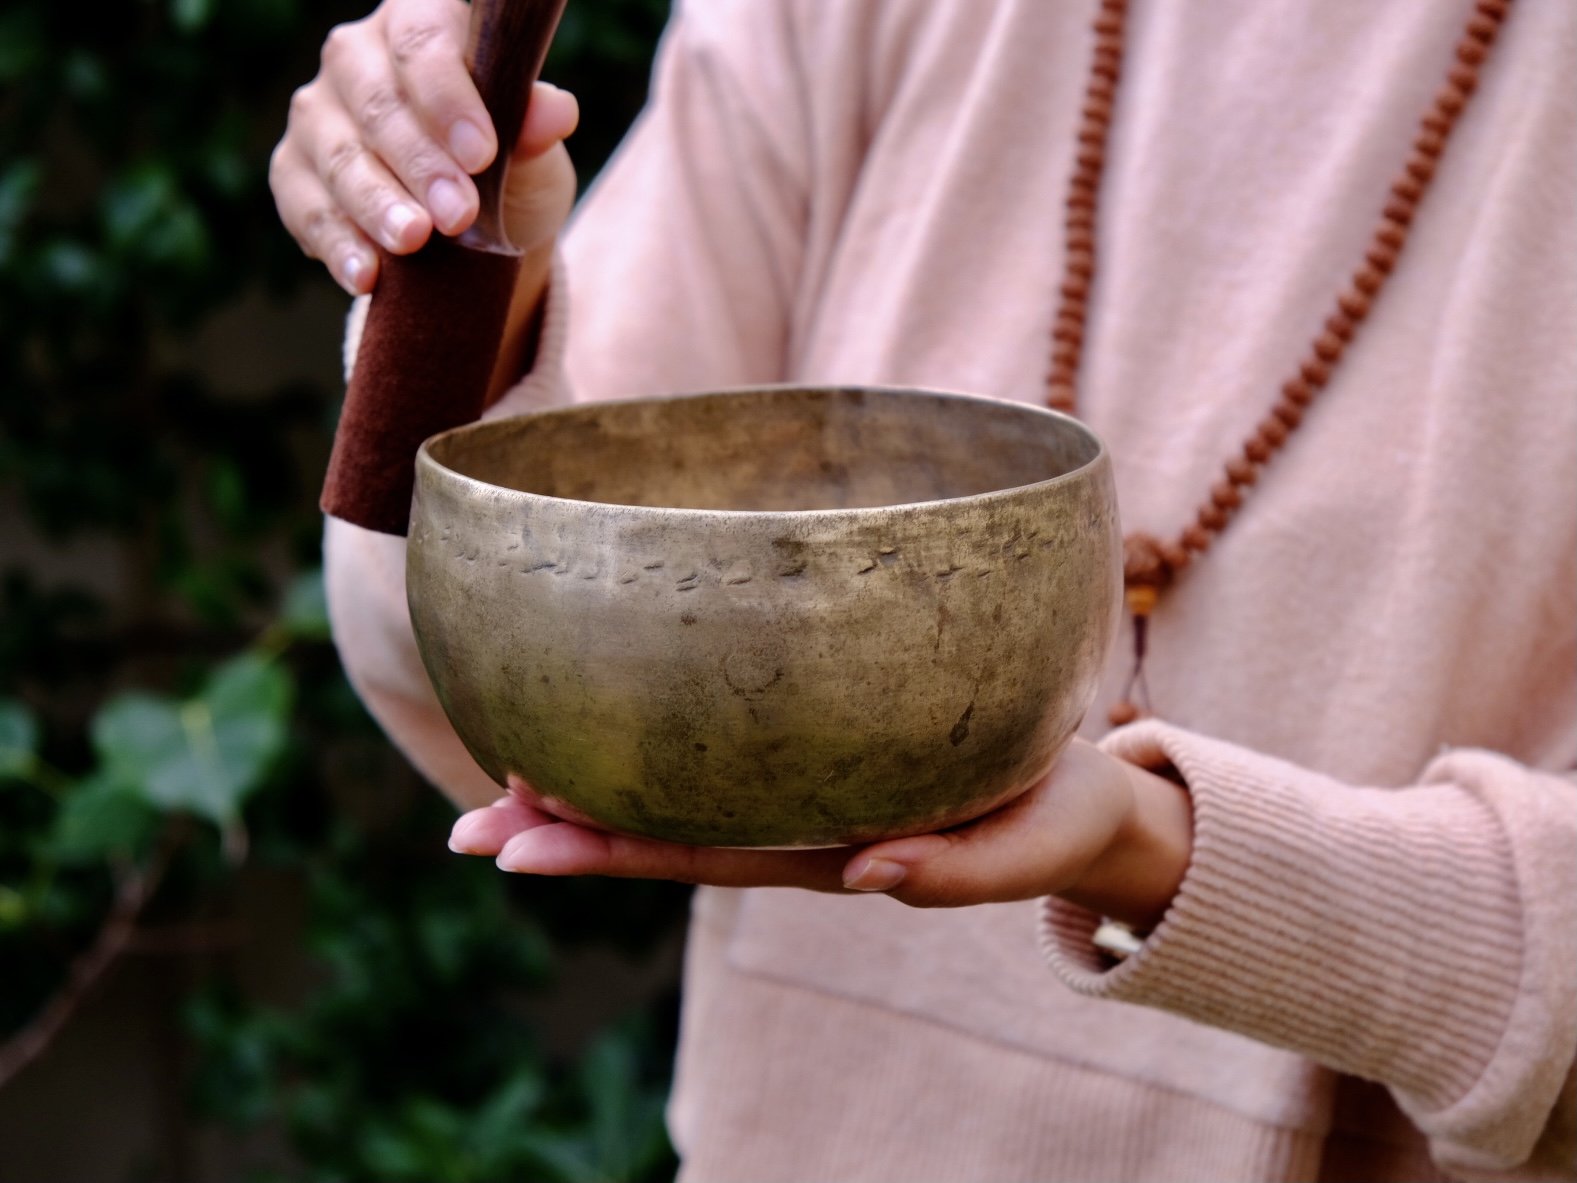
x: 770, y: 617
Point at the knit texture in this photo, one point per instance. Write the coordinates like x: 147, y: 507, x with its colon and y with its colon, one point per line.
x: 1293, y: 927
x: 1367, y: 681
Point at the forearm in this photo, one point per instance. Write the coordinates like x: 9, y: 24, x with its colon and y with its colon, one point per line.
x: 364, y: 573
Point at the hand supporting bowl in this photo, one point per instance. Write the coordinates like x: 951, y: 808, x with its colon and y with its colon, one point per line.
x: 778, y: 617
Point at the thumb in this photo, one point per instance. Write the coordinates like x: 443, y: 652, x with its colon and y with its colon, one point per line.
x: 997, y: 858
x: 1037, y: 844
x: 902, y: 861
x: 539, y: 189
x: 551, y: 117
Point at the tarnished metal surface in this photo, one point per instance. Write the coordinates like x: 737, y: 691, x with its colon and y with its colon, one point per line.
x: 775, y: 617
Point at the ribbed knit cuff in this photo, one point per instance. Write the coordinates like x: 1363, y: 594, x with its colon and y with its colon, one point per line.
x: 1376, y: 931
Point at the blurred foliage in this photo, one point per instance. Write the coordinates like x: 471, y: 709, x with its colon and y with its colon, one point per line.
x: 173, y: 728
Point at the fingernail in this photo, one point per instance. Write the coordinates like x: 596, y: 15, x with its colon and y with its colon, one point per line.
x: 447, y: 203
x: 518, y: 856
x: 462, y: 839
x: 468, y: 145
x: 878, y: 874
x: 395, y: 222
x: 353, y: 273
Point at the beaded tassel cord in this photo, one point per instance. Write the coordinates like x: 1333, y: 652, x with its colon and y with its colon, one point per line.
x: 1150, y: 564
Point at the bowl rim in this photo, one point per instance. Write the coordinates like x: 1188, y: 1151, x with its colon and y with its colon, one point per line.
x: 428, y: 464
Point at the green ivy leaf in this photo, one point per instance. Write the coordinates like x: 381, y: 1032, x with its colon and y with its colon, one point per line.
x: 70, y: 268
x: 134, y: 202
x: 627, y: 1133
x: 191, y: 15
x: 14, y: 909
x: 443, y: 936
x: 560, y: 1157
x: 85, y: 76
x: 608, y: 1078
x: 247, y: 687
x: 227, y: 494
x: 100, y: 816
x: 18, y: 738
x: 179, y: 239
x: 305, y: 612
x: 148, y: 219
x: 226, y: 169
x: 393, y: 1154
x: 508, y: 1110
x: 206, y: 754
x: 18, y: 185
x: 138, y: 737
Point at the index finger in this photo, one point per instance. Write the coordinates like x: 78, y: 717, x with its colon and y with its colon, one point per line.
x: 426, y: 46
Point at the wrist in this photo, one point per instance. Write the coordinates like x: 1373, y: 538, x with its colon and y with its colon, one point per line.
x: 1134, y: 879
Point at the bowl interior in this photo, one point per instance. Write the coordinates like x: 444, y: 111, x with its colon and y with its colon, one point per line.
x: 773, y: 449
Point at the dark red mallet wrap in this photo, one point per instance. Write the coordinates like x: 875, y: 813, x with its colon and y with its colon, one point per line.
x: 437, y: 316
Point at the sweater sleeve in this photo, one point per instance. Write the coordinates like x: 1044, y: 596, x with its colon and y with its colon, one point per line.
x: 1421, y: 937
x: 676, y: 273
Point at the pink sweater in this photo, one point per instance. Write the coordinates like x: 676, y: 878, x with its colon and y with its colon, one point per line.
x: 1369, y: 683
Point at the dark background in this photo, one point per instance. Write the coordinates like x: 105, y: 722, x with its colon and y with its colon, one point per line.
x: 232, y: 943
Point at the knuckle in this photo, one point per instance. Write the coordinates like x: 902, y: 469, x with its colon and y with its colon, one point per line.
x: 340, y: 160
x: 341, y: 40
x: 411, y: 41
x: 319, y: 229
x: 280, y: 185
x: 301, y: 101
x: 371, y: 200
x: 318, y: 222
x: 425, y: 165
x: 381, y: 105
x: 278, y: 166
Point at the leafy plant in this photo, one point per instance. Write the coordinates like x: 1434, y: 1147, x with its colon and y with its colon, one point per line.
x: 172, y: 723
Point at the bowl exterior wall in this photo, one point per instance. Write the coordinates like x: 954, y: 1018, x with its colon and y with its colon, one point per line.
x: 773, y: 679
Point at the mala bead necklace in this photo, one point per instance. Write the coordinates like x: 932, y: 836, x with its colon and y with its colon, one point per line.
x: 1150, y: 564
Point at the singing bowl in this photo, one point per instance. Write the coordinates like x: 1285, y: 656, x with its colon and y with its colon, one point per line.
x: 781, y: 616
